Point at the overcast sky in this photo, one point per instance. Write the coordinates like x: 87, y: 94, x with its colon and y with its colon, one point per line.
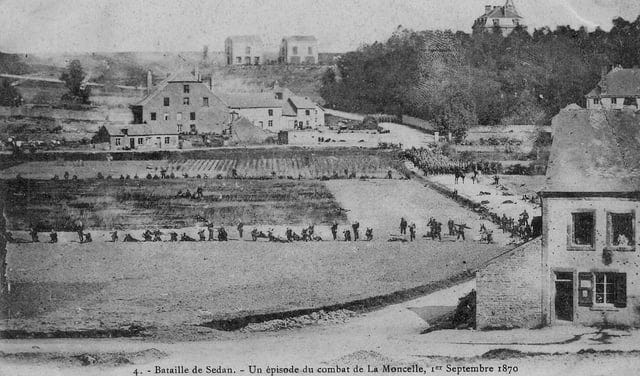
x: 183, y: 25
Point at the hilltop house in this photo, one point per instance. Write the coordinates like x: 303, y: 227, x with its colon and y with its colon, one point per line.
x: 298, y: 112
x: 586, y: 269
x: 139, y: 136
x: 616, y: 89
x: 244, y: 50
x: 504, y: 18
x: 299, y: 49
x: 184, y: 102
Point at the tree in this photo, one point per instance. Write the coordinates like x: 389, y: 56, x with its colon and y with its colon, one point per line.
x: 9, y: 96
x: 73, y: 78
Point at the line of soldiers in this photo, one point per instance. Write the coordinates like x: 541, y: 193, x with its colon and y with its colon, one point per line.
x: 433, y: 162
x: 435, y: 229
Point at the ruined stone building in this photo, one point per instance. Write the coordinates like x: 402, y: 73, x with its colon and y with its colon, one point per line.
x: 584, y: 269
x: 298, y: 112
x: 299, y: 49
x: 244, y: 50
x: 617, y: 88
x: 504, y: 18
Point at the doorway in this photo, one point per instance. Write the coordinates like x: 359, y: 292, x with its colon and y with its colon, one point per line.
x: 564, y: 296
x: 132, y: 143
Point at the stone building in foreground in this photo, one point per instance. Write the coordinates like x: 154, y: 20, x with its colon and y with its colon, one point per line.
x: 589, y: 262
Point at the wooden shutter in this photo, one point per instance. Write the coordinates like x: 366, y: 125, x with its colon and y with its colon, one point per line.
x: 585, y: 289
x: 620, y: 290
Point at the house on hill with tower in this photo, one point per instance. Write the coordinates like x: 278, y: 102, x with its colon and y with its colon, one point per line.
x: 504, y: 18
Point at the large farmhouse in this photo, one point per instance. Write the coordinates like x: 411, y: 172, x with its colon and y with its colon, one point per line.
x: 243, y: 50
x: 503, y: 18
x: 586, y: 269
x: 299, y: 49
x: 185, y: 102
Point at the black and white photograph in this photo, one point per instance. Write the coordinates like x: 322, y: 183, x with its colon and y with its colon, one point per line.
x: 319, y: 187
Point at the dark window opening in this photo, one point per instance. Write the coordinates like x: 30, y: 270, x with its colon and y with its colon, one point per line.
x: 192, y: 116
x: 614, y: 100
x: 153, y: 116
x: 185, y: 100
x: 166, y: 101
x: 583, y: 228
x: 185, y: 89
x: 205, y: 101
x: 270, y: 112
x: 621, y: 232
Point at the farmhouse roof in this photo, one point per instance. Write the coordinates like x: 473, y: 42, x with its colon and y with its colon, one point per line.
x: 619, y: 82
x: 140, y: 129
x: 250, y: 100
x: 595, y: 151
x: 252, y: 39
x: 300, y: 38
x: 178, y: 76
x: 301, y: 102
x: 508, y: 10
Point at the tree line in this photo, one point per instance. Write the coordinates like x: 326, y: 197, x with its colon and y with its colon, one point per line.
x: 456, y: 79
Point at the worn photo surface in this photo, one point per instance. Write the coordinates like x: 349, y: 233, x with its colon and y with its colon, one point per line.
x: 319, y: 187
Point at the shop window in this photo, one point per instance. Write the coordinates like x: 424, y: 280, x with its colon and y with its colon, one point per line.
x: 602, y: 289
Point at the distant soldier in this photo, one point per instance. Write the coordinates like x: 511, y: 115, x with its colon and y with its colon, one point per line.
x: 222, y: 234
x: 147, y: 236
x: 129, y: 238
x: 334, y: 230
x: 496, y: 179
x: 460, y: 231
x: 289, y: 234
x: 34, y: 234
x: 438, y: 233
x: 210, y: 230
x: 66, y: 175
x: 389, y: 175
x: 79, y: 229
x: 173, y: 236
x: 53, y: 236
x: 355, y: 226
x: 403, y: 226
x: 240, y: 229
x: 412, y: 231
x: 87, y: 237
x: 452, y: 227
x: 186, y: 238
x: 347, y: 235
x: 369, y: 234
x: 201, y: 235
x: 156, y: 236
x: 114, y: 236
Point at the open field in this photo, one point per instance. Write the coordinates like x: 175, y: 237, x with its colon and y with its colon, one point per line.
x: 248, y: 162
x: 110, y: 285
x: 136, y: 204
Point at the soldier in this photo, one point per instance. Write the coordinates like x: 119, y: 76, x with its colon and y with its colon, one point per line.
x: 53, y: 236
x: 114, y: 236
x: 504, y: 222
x: 496, y: 179
x: 460, y: 231
x: 334, y: 230
x: 412, y: 231
x: 79, y: 229
x: 355, y: 226
x: 389, y: 175
x: 403, y: 226
x: 240, y: 229
x: 369, y: 234
x: 347, y: 235
x: 87, y: 237
x: 146, y: 235
x: 289, y: 234
x: 156, y: 236
x: 186, y: 238
x: 129, y: 238
x: 173, y: 236
x: 452, y: 228
x: 34, y: 234
x: 222, y: 234
x: 201, y: 235
x: 438, y: 227
x: 210, y: 230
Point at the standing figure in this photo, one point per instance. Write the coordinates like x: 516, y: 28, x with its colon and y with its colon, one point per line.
x: 403, y: 226
x: 412, y: 231
x: 53, y: 236
x: 240, y: 229
x: 369, y: 234
x: 114, y: 236
x: 34, y: 234
x: 460, y: 231
x: 355, y: 226
x: 80, y: 229
x: 201, y: 235
x: 334, y: 230
x: 210, y: 231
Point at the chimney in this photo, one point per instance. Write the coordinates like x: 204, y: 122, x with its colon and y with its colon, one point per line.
x: 196, y: 72
x: 149, y: 82
x: 487, y: 9
x: 603, y: 78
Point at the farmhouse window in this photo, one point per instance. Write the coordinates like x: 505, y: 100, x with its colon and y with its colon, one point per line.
x: 140, y: 140
x: 179, y: 128
x: 602, y: 289
x: 193, y: 128
x: 192, y: 116
x: 205, y: 101
x: 185, y: 89
x: 179, y: 116
x: 270, y: 112
x: 496, y: 22
x: 261, y: 123
x: 118, y: 141
x: 166, y: 116
x: 270, y: 123
x: 596, y: 100
x: 166, y: 101
x: 294, y: 50
x: 307, y: 112
x: 153, y: 116
x: 614, y: 100
x: 620, y: 230
x: 583, y: 228
x: 167, y: 140
x: 185, y: 100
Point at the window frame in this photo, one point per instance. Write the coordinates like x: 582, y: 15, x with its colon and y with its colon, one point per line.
x: 571, y: 246
x: 270, y: 112
x: 192, y: 115
x: 185, y: 101
x: 166, y: 102
x: 205, y: 101
x: 270, y: 123
x: 609, y: 239
x: 179, y: 128
x: 614, y: 100
x: 153, y: 115
x: 140, y: 140
x: 588, y: 295
x: 166, y: 116
x: 118, y: 141
x: 167, y: 140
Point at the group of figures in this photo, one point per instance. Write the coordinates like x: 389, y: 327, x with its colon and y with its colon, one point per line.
x: 214, y: 234
x: 435, y: 163
x: 435, y: 230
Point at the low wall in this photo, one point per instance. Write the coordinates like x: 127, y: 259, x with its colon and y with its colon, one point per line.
x: 509, y: 289
x: 114, y: 115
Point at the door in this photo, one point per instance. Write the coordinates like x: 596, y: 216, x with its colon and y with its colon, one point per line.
x: 564, y: 296
x: 132, y: 142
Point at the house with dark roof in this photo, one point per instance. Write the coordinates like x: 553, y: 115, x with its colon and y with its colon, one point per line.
x: 184, y: 102
x: 139, y: 136
x: 584, y: 269
x: 616, y: 89
x: 244, y: 50
x: 261, y: 109
x: 503, y: 18
x: 299, y: 49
